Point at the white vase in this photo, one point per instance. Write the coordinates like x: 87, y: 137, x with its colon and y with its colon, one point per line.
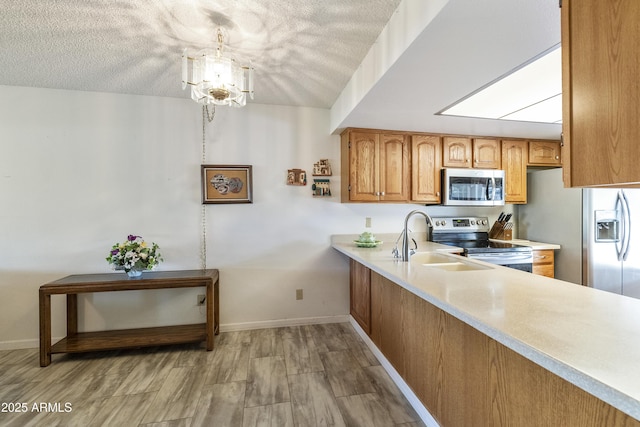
x: 134, y: 273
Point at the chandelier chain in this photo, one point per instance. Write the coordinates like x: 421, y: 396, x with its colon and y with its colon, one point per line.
x: 203, y: 249
x: 203, y: 211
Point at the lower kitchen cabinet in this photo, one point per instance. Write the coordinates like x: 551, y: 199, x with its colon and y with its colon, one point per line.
x: 386, y: 320
x: 422, y: 347
x: 463, y: 377
x: 360, y: 295
x: 431, y: 351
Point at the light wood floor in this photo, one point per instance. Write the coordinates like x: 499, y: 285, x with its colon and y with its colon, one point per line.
x: 315, y: 375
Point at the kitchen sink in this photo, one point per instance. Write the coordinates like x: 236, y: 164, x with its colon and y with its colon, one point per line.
x: 446, y: 262
x: 434, y: 258
x: 457, y: 266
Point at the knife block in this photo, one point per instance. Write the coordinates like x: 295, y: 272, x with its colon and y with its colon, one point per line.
x: 498, y: 231
x: 505, y: 235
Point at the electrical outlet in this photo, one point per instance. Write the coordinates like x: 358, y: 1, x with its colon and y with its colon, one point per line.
x: 367, y: 222
x: 201, y: 299
x: 298, y: 294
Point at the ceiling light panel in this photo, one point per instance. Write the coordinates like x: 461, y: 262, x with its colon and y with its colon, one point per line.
x: 547, y: 111
x: 530, y: 85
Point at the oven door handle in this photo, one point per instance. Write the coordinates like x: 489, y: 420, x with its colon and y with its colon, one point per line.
x: 502, y: 259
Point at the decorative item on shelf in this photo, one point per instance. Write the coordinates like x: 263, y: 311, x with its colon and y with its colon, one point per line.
x: 134, y: 256
x: 322, y: 168
x: 321, y: 188
x: 226, y: 184
x: 296, y: 177
x: 215, y: 77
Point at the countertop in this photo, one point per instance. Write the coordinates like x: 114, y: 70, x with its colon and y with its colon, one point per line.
x: 534, y: 245
x: 588, y: 337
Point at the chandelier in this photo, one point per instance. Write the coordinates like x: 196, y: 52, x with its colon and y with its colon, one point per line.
x: 215, y: 78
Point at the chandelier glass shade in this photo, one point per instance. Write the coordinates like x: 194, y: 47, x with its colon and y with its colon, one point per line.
x: 216, y: 78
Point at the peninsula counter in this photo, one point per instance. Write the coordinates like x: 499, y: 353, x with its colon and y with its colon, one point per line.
x: 586, y: 337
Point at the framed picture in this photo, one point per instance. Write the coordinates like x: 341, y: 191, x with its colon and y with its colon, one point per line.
x: 226, y: 184
x: 296, y: 177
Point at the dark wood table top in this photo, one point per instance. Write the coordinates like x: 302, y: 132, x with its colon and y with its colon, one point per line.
x: 119, y: 281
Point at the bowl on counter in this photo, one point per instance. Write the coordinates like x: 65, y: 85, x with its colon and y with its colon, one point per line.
x: 367, y: 240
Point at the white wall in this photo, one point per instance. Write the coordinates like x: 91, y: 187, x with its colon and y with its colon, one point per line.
x: 554, y: 215
x: 79, y: 171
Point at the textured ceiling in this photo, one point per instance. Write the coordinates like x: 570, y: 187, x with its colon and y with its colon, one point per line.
x: 303, y: 52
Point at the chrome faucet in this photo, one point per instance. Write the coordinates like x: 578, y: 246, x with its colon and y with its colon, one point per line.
x: 396, y: 252
x: 405, y: 232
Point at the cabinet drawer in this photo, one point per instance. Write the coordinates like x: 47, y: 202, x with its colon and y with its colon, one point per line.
x: 543, y: 262
x: 544, y: 256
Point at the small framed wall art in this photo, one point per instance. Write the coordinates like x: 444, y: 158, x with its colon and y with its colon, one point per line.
x: 226, y: 184
x: 296, y: 177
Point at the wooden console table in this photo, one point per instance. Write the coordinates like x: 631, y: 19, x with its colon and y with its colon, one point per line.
x: 76, y: 342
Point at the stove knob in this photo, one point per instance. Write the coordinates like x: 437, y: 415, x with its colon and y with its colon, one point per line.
x: 443, y: 222
x: 473, y: 222
x: 484, y: 222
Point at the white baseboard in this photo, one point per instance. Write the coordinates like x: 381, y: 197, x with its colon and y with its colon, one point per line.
x: 423, y: 413
x: 23, y: 344
x: 229, y: 327
x: 232, y: 327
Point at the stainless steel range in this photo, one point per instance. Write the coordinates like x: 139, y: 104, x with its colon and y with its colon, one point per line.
x: 472, y: 235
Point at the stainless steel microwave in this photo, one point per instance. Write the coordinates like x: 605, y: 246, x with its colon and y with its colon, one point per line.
x: 472, y: 187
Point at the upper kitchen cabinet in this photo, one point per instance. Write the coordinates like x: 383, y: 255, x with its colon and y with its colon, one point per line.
x: 375, y: 166
x: 464, y: 152
x: 544, y: 153
x: 486, y: 153
x: 456, y: 152
x: 601, y: 93
x: 426, y: 163
x: 514, y: 162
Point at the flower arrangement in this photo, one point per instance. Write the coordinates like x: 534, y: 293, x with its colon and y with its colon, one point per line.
x: 134, y: 254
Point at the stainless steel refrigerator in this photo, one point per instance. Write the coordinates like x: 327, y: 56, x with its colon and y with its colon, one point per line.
x: 611, y: 240
x: 598, y: 231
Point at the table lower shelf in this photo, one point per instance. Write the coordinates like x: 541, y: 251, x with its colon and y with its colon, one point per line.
x: 130, y: 338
